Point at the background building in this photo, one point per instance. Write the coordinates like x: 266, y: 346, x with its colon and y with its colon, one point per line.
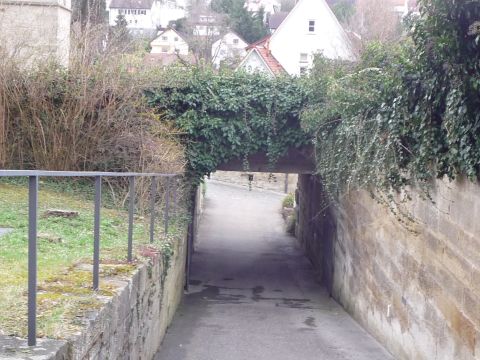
x: 36, y: 30
x: 169, y: 42
x: 230, y: 48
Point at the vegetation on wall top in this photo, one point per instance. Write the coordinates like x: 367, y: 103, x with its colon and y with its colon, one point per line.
x: 405, y: 113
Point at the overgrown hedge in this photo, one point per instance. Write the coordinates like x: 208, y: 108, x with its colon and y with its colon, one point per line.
x: 231, y: 115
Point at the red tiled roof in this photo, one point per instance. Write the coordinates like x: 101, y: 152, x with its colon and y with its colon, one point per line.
x: 270, y: 60
x: 260, y: 42
x: 262, y: 48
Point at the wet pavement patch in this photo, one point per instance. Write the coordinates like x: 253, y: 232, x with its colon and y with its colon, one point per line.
x: 310, y: 321
x: 212, y: 293
x: 194, y: 282
x: 256, y: 291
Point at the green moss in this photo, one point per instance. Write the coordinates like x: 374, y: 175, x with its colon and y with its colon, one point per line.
x: 289, y: 201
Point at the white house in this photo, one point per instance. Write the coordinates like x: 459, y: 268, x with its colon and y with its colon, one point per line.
x: 259, y: 59
x: 269, y: 6
x: 169, y: 42
x: 309, y: 28
x: 170, y: 10
x: 228, y: 48
x: 206, y: 25
x: 146, y: 16
x: 141, y: 15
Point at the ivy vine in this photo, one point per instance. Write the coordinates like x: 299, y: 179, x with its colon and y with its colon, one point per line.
x: 405, y: 113
x: 232, y: 115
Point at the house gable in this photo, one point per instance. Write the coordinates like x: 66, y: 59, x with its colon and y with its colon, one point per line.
x: 229, y: 46
x: 169, y: 42
x: 310, y: 28
x: 254, y: 62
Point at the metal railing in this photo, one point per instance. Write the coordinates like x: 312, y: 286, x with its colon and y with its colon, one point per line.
x: 33, y: 180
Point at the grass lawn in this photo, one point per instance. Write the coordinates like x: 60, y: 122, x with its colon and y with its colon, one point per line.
x: 65, y: 250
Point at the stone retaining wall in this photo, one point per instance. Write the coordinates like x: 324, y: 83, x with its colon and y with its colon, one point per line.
x: 132, y: 323
x: 414, y: 283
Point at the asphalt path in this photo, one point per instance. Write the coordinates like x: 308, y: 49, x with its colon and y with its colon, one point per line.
x: 253, y: 294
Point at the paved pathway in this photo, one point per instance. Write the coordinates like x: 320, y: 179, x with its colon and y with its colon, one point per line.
x: 253, y: 294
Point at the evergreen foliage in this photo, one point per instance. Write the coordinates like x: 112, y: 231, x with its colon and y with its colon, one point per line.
x: 231, y: 115
x: 405, y: 113
x: 249, y: 26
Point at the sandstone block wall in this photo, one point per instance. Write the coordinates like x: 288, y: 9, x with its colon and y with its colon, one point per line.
x: 34, y: 30
x: 415, y: 284
x: 132, y: 325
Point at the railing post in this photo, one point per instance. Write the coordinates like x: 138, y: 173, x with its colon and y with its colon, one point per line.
x: 96, y: 232
x: 167, y: 204
x: 32, y: 259
x: 174, y: 195
x: 131, y: 209
x: 153, y: 193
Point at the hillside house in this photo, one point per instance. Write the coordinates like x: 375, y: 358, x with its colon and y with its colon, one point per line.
x: 171, y: 10
x: 141, y: 15
x: 310, y: 28
x: 228, y: 49
x: 206, y: 25
x: 269, y: 6
x: 259, y: 59
x: 169, y: 41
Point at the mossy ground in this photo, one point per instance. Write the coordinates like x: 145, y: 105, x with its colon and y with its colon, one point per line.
x: 64, y: 280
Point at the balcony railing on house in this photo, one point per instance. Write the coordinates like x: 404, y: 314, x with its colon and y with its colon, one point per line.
x: 33, y: 181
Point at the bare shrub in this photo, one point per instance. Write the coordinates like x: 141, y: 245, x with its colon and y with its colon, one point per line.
x: 91, y: 116
x: 375, y: 20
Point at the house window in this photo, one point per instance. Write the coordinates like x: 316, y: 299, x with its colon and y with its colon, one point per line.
x: 311, y: 26
x: 303, y: 57
x: 303, y: 70
x: 164, y: 49
x: 120, y: 12
x: 165, y: 38
x: 134, y: 12
x: 175, y: 38
x: 235, y: 41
